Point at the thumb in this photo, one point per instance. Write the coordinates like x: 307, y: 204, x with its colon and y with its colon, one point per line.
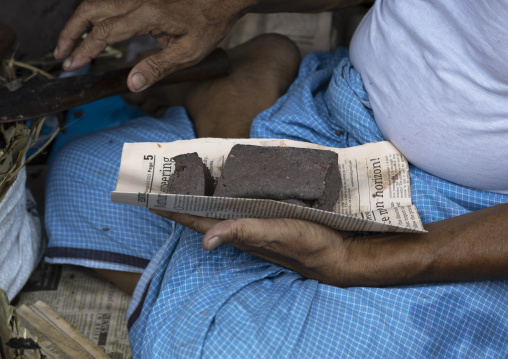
x: 263, y: 234
x: 154, y: 68
x: 245, y: 232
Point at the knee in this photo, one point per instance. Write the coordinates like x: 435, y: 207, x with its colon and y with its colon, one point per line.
x: 88, y: 149
x: 282, y: 51
x: 286, y: 47
x: 87, y: 159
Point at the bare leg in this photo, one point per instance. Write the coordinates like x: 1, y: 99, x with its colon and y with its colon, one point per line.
x: 262, y: 70
x: 126, y: 281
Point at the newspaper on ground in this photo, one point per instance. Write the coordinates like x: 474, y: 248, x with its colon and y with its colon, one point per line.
x: 92, y: 305
x: 375, y: 194
x: 310, y: 32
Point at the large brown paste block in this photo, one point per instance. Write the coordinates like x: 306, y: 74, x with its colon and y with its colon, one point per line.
x: 191, y: 176
x: 281, y: 173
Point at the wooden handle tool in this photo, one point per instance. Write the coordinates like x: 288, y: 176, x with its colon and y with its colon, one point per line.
x: 37, y: 99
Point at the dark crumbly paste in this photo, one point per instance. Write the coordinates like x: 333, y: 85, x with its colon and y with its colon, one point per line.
x: 191, y: 176
x: 289, y: 174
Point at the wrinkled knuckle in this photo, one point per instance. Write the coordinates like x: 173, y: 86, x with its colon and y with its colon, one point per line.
x: 240, y: 232
x: 158, y: 69
x: 84, y: 50
x: 195, y: 225
x: 101, y: 31
x: 187, y: 50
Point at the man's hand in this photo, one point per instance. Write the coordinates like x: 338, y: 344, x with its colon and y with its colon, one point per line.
x: 187, y: 29
x: 312, y: 250
x: 469, y: 247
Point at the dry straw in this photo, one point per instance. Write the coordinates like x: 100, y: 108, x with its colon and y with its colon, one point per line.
x: 18, y: 137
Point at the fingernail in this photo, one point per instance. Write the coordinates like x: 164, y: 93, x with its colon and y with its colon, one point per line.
x: 138, y: 80
x: 67, y: 63
x: 55, y: 53
x: 214, y: 243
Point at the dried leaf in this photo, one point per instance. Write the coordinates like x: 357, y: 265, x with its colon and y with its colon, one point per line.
x: 19, y: 140
x: 18, y: 137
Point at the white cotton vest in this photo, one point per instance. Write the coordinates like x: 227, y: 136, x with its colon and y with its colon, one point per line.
x: 437, y: 77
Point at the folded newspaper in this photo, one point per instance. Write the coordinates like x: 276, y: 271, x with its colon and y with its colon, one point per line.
x: 375, y: 194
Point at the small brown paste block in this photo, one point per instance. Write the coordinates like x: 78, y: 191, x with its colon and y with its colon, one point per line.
x: 281, y: 173
x: 191, y: 176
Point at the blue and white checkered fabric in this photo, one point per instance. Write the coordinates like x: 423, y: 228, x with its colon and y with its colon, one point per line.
x: 313, y: 114
x: 84, y: 226
x: 226, y: 303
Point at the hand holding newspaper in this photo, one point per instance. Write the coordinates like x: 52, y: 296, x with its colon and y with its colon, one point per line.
x: 375, y: 194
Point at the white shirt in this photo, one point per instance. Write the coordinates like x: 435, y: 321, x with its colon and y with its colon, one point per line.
x: 437, y: 77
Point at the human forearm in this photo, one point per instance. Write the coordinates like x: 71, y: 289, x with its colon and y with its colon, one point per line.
x: 464, y: 248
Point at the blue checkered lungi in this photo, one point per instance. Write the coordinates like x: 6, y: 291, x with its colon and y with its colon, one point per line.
x: 228, y: 304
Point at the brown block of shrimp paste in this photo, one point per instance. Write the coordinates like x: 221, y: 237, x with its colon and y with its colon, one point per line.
x: 281, y: 173
x: 191, y: 176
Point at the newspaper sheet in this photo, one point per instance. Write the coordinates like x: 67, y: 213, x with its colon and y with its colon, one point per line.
x: 94, y: 306
x: 375, y: 194
x: 310, y: 32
